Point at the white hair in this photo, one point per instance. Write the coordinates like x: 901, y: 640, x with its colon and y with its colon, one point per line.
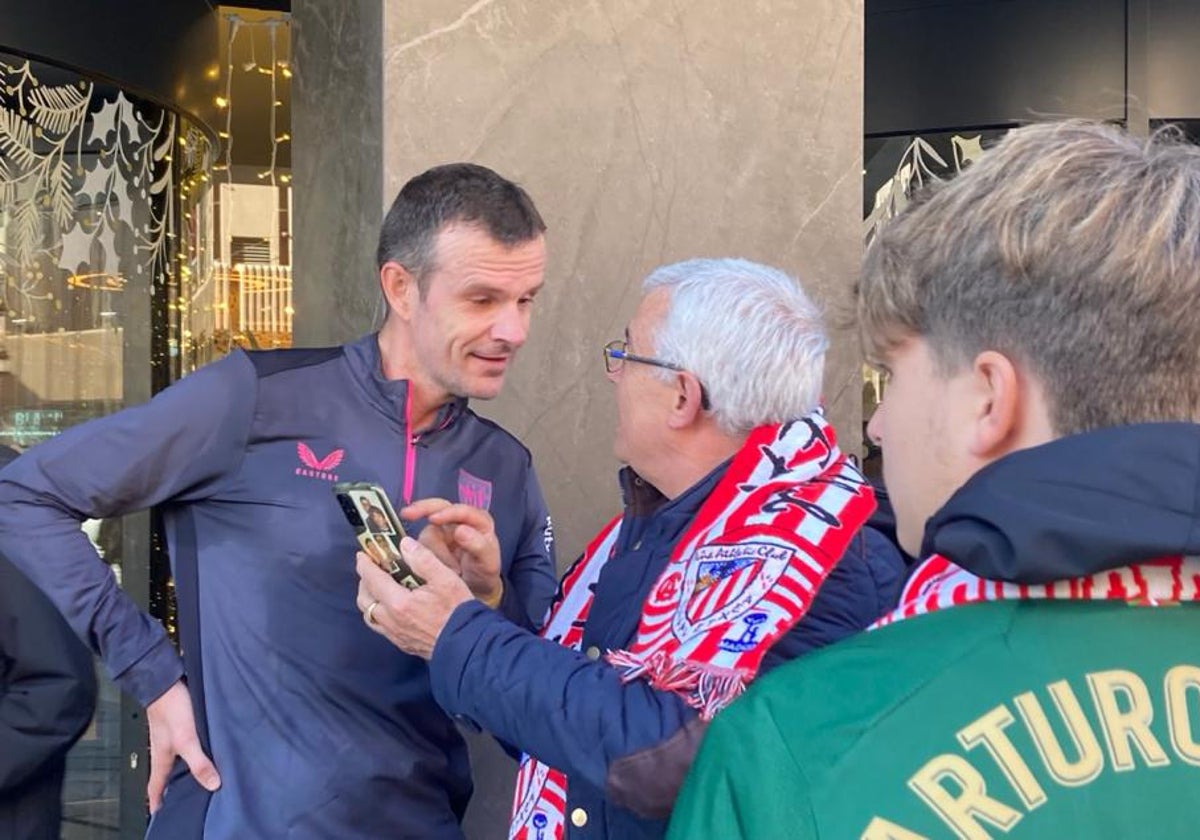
x: 749, y: 333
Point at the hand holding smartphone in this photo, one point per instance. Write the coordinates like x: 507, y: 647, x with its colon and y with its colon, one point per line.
x: 377, y: 528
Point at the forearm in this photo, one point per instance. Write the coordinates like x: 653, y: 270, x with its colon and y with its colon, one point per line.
x: 174, y: 447
x: 554, y: 703
x: 45, y: 543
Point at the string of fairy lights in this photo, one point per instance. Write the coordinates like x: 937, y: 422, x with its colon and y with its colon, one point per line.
x: 212, y: 307
x: 275, y: 68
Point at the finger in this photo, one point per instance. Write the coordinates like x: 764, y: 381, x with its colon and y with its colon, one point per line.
x: 437, y: 541
x: 425, y: 563
x: 160, y: 771
x: 374, y: 583
x: 481, y: 547
x: 370, y: 579
x: 203, y: 770
x: 423, y: 508
x: 473, y: 541
x: 374, y: 621
x: 363, y: 599
x: 461, y: 514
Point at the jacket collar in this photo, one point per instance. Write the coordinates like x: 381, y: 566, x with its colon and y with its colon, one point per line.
x: 641, y: 498
x: 391, y: 395
x: 1076, y: 506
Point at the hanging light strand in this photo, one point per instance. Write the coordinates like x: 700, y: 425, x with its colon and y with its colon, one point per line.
x: 235, y: 24
x: 274, y: 104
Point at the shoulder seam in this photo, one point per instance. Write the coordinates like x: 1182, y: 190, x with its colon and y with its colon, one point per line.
x: 497, y: 427
x: 300, y: 357
x: 253, y: 414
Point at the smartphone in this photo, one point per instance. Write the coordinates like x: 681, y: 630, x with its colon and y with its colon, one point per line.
x: 377, y: 528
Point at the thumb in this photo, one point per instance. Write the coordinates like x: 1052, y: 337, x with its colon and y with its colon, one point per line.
x: 424, y: 562
x: 203, y: 770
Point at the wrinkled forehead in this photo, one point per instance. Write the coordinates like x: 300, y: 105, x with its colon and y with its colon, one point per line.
x: 466, y: 255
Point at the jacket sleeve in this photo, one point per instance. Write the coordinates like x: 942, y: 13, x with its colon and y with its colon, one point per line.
x: 47, y: 683
x: 530, y: 579
x: 175, y: 447
x: 564, y: 709
x: 744, y: 784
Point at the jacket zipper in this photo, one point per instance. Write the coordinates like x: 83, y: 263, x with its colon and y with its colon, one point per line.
x: 410, y: 453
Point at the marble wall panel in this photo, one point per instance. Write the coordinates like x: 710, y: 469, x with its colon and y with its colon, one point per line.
x: 647, y: 132
x: 337, y: 167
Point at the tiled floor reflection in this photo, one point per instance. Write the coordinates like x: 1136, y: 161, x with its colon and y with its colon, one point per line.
x: 93, y: 783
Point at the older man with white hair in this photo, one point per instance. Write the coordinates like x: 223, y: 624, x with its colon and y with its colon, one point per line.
x: 741, y: 545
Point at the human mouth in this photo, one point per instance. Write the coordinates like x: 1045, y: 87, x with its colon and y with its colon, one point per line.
x: 496, y: 360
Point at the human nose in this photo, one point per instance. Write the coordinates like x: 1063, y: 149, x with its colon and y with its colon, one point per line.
x: 875, y: 426
x: 511, y: 326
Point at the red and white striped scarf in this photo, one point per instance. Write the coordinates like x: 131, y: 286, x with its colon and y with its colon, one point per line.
x: 744, y: 572
x: 939, y: 584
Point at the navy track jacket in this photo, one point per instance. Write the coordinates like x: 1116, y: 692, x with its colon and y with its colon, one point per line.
x: 319, y: 727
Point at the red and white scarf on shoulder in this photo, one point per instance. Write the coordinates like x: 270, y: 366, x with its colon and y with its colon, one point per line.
x: 744, y: 572
x: 938, y: 584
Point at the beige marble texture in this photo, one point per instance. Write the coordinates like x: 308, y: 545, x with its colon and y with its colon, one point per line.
x: 336, y: 167
x: 647, y: 132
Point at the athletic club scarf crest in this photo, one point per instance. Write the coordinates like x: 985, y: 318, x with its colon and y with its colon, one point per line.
x: 744, y: 572
x: 939, y: 584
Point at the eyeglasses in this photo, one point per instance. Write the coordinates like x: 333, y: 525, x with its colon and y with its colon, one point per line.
x: 616, y: 354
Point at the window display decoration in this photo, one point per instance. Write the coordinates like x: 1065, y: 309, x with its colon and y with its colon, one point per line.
x: 81, y: 166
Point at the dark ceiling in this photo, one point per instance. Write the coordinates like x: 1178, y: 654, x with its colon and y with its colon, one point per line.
x: 263, y: 5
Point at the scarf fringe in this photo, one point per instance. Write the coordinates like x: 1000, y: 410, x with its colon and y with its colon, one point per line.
x: 706, y: 688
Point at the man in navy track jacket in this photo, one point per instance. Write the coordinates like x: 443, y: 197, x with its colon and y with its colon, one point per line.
x: 741, y: 546
x: 293, y: 719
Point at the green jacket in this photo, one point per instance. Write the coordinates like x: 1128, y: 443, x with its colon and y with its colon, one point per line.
x: 1030, y: 719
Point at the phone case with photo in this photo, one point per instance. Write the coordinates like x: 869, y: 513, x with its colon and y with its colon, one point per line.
x: 376, y: 527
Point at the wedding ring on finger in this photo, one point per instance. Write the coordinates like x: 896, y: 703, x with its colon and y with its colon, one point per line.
x: 369, y: 612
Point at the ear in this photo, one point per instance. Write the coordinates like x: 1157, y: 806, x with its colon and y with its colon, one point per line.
x: 686, y: 408
x: 997, y: 405
x: 399, y: 289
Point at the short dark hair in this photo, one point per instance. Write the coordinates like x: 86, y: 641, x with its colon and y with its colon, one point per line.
x: 455, y: 192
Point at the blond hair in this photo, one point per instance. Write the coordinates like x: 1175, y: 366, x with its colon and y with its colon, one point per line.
x: 1073, y: 248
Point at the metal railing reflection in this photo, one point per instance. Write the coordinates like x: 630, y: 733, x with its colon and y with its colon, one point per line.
x: 253, y: 302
